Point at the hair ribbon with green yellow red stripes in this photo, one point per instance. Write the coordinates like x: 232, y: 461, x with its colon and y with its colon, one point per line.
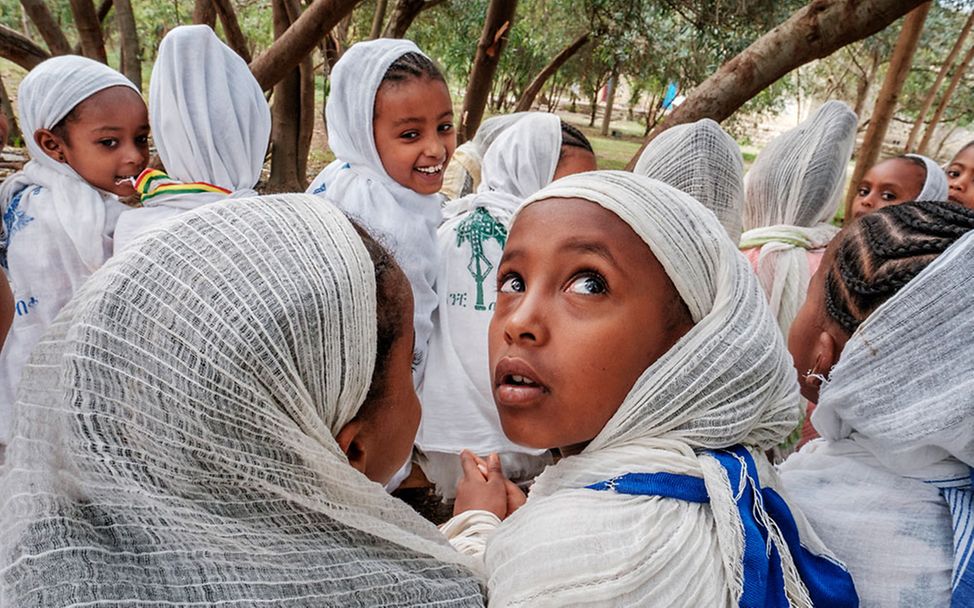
x: 152, y: 183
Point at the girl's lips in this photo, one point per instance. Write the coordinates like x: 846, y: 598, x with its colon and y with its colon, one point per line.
x: 516, y: 383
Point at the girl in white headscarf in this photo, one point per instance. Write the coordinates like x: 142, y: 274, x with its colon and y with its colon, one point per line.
x: 896, y: 180
x: 463, y: 174
x: 458, y: 408
x: 210, y: 123
x: 702, y: 160
x: 390, y: 125
x: 791, y: 194
x: 630, y: 332
x: 207, y: 421
x: 87, y: 134
x: 883, y: 344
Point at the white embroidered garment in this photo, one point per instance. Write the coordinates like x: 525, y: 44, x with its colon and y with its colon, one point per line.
x: 210, y: 123
x: 728, y: 381
x: 175, y: 438
x: 402, y: 219
x: 791, y: 193
x: 457, y: 395
x: 935, y: 184
x: 702, y: 160
x: 897, y: 422
x: 57, y: 228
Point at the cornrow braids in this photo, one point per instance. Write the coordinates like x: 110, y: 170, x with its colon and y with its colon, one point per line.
x: 880, y: 253
x: 412, y: 65
x: 572, y: 137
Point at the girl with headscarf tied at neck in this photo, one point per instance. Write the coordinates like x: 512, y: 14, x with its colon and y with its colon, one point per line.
x: 458, y: 407
x: 702, y: 160
x: 210, y: 123
x: 390, y: 125
x: 791, y: 194
x: 910, y: 177
x: 671, y: 502
x: 883, y: 344
x: 87, y: 134
x: 183, y: 429
x: 463, y: 174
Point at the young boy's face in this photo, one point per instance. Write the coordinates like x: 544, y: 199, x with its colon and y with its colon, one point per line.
x: 960, y: 178
x: 583, y: 308
x: 888, y: 183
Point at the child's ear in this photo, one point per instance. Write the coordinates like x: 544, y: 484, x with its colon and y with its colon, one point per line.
x: 825, y: 352
x: 50, y: 143
x: 351, y: 440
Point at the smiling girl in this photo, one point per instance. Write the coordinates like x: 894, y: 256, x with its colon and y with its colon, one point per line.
x: 90, y: 132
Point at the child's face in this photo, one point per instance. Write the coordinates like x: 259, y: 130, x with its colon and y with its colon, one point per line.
x: 583, y: 308
x: 106, y: 142
x: 574, y: 160
x: 413, y: 130
x: 960, y: 178
x: 888, y: 183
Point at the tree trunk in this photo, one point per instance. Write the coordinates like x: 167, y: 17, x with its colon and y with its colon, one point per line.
x: 231, y: 29
x: 814, y: 31
x: 862, y: 89
x: 13, y: 130
x: 49, y: 29
x: 89, y: 30
x: 945, y: 139
x: 531, y: 92
x: 945, y: 100
x: 403, y: 15
x: 297, y: 42
x: 610, y: 98
x: 103, y: 9
x: 932, y: 93
x: 378, y: 19
x: 899, y: 69
x: 204, y: 13
x: 19, y: 49
x: 497, y: 25
x: 129, y: 39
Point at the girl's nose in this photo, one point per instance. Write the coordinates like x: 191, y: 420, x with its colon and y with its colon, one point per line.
x: 526, y: 324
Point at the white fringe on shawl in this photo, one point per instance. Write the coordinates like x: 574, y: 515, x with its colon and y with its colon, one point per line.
x: 935, y: 185
x: 897, y: 418
x: 61, y: 229
x: 402, y: 219
x: 457, y: 396
x: 728, y: 381
x: 702, y: 160
x: 209, y: 120
x: 791, y: 193
x: 175, y: 439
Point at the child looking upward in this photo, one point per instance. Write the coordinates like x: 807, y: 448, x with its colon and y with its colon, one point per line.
x: 390, y: 125
x: 960, y: 177
x: 896, y: 180
x: 87, y: 133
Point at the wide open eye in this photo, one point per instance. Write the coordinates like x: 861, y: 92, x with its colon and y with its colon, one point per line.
x: 589, y: 283
x: 511, y: 283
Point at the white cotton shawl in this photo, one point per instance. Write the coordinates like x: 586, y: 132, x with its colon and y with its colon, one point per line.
x: 728, y: 381
x: 59, y: 229
x: 897, y: 420
x: 175, y: 443
x: 457, y: 396
x: 210, y: 123
x: 702, y: 160
x: 935, y: 184
x: 791, y: 193
x: 402, y: 219
x: 464, y: 170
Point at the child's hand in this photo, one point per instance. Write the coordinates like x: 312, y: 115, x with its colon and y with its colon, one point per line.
x: 483, y: 486
x: 515, y: 497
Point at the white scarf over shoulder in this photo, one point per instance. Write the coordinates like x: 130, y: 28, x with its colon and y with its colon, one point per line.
x: 791, y: 193
x: 935, y: 185
x: 209, y: 120
x: 175, y: 439
x: 728, y: 381
x: 702, y: 160
x: 57, y: 228
x: 897, y: 417
x: 402, y: 219
x: 457, y: 397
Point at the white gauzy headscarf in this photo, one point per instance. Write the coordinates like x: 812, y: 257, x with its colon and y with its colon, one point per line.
x: 702, y: 160
x: 898, y: 418
x: 935, y: 184
x: 791, y: 193
x: 402, y: 219
x: 210, y: 122
x: 175, y: 439
x: 728, y: 381
x: 458, y: 402
x: 464, y: 173
x: 57, y: 227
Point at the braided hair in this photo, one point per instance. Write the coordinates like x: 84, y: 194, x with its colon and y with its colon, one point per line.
x: 412, y: 65
x: 574, y: 138
x: 881, y: 252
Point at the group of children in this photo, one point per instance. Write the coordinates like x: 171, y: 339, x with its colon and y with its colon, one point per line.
x: 596, y: 368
